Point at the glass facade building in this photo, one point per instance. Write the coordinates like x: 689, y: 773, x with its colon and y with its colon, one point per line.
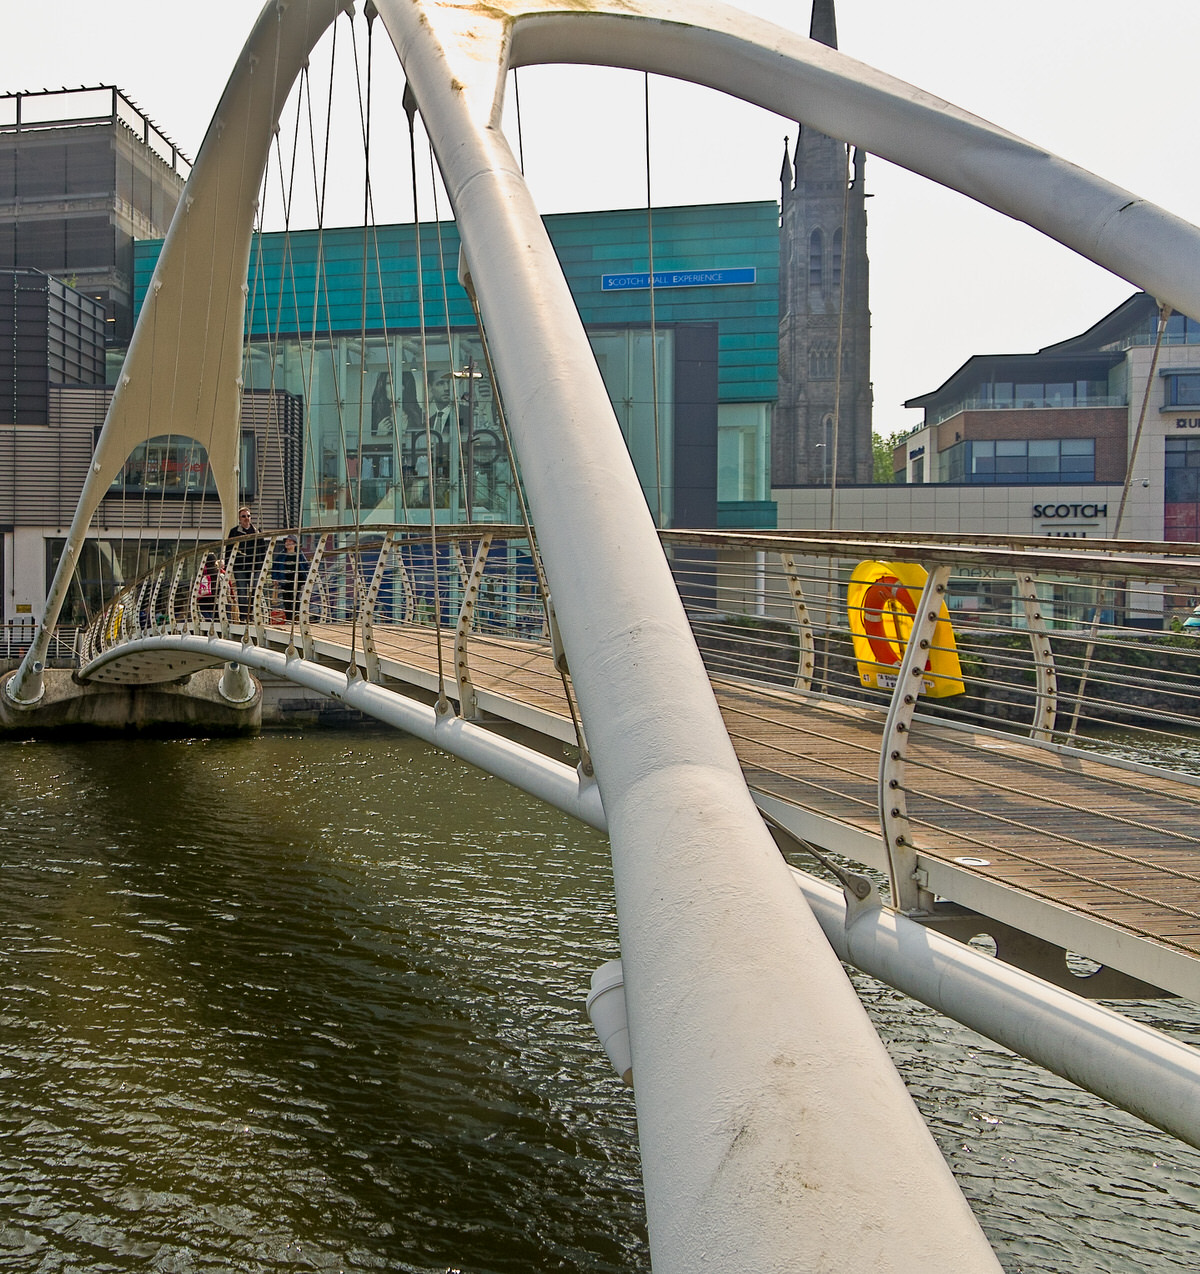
x: 692, y: 378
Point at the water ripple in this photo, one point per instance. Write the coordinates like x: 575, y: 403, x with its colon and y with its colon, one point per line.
x: 316, y: 1003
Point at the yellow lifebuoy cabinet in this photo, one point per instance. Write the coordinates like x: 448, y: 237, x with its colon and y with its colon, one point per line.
x: 882, y: 600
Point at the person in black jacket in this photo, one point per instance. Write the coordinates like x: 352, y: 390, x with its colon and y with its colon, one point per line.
x: 249, y: 560
x: 289, y: 570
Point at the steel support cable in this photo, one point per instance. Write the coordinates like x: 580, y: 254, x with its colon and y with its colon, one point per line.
x: 840, y: 741
x: 222, y: 600
x: 520, y: 137
x: 872, y: 751
x: 1073, y: 872
x: 321, y: 284
x: 1163, y: 315
x: 308, y: 367
x: 437, y: 223
x: 410, y: 109
x: 370, y: 221
x: 751, y: 772
x: 272, y: 338
x: 659, y: 520
x: 534, y: 556
x: 837, y: 374
x: 1041, y: 757
x: 395, y: 406
x: 287, y: 270
x: 1054, y: 802
x: 364, y: 115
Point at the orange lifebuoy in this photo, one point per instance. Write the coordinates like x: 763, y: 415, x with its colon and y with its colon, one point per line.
x: 886, y: 591
x: 882, y: 610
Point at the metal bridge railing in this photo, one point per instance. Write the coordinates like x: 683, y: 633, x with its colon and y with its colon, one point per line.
x: 933, y: 649
x: 1085, y: 645
x: 876, y: 681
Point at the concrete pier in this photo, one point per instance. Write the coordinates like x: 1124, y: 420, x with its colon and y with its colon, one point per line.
x: 193, y: 705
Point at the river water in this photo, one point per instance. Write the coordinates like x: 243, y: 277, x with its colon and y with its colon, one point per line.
x: 298, y: 1003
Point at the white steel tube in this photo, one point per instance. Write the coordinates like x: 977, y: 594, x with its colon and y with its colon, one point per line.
x: 775, y: 1132
x: 1135, y: 1067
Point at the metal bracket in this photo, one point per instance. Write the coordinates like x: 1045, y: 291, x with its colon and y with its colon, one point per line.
x: 258, y: 612
x: 859, y: 890
x: 306, y: 640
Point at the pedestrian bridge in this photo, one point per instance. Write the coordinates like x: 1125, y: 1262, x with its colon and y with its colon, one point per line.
x: 1052, y: 803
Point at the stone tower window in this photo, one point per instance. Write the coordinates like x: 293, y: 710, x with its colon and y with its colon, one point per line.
x: 837, y: 259
x: 816, y: 260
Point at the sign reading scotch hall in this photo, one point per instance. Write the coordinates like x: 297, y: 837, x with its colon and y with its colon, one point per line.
x: 678, y: 279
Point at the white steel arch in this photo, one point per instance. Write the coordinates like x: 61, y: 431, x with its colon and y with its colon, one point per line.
x: 182, y: 374
x: 775, y: 1133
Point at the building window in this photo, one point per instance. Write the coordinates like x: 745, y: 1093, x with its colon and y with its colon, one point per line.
x: 837, y: 259
x: 743, y: 451
x: 1181, y: 490
x: 821, y: 361
x: 1181, y: 389
x: 1021, y: 461
x: 816, y: 260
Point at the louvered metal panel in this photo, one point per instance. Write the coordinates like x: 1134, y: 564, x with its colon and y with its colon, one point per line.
x: 43, y: 467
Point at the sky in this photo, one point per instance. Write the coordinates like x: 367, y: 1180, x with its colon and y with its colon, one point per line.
x: 1104, y: 84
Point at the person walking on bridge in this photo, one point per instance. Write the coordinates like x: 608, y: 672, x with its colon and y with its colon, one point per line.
x: 288, y: 573
x: 249, y: 559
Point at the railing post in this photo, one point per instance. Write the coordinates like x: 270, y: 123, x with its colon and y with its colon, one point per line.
x: 808, y: 658
x: 258, y: 611
x: 194, y: 597
x: 410, y: 589
x: 172, y: 620
x: 467, y: 706
x: 306, y: 640
x: 367, y: 610
x: 155, y: 626
x: 908, y: 895
x: 1045, y: 706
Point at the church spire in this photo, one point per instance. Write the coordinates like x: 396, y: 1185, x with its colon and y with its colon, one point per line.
x: 823, y: 27
x: 785, y: 172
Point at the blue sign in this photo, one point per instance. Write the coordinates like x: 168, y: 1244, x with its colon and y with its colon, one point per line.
x: 678, y: 279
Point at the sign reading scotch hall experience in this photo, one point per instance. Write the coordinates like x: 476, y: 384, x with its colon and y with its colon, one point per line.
x: 679, y: 279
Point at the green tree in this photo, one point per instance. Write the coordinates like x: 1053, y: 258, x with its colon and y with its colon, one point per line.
x: 883, y: 447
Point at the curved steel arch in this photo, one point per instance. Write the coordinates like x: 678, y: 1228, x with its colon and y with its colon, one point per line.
x: 182, y: 373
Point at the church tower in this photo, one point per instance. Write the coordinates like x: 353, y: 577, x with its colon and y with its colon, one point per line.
x: 822, y: 292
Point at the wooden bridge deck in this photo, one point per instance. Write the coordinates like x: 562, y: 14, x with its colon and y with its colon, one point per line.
x: 1117, y: 846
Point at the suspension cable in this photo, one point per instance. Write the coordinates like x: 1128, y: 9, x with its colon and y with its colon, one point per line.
x: 454, y: 376
x: 410, y: 109
x: 658, y: 482
x: 837, y: 375
x: 534, y: 556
